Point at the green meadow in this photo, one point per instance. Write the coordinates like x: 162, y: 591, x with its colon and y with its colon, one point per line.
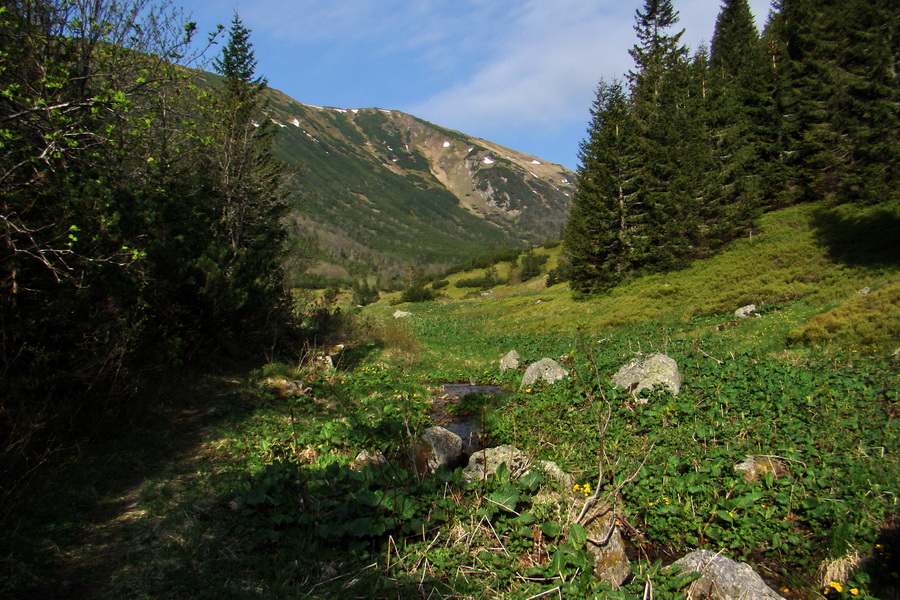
x: 238, y: 485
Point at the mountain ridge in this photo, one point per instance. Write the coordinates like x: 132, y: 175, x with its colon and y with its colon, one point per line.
x: 382, y: 191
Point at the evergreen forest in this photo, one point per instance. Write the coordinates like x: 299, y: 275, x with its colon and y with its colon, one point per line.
x: 686, y: 151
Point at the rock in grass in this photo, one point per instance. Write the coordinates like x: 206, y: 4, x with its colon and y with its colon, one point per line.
x: 510, y: 362
x: 724, y: 579
x: 546, y: 369
x: 484, y: 463
x: 605, y: 542
x: 401, y: 314
x: 438, y: 447
x: 656, y: 369
x: 745, y: 311
x: 367, y: 459
x: 755, y: 467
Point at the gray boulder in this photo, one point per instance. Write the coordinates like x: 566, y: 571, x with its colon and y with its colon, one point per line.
x: 745, y: 311
x: 401, y: 314
x: 367, y: 459
x: 656, y: 369
x: 611, y: 564
x: 438, y: 447
x: 510, y: 362
x: 484, y: 463
x: 546, y: 369
x: 554, y: 471
x: 723, y: 578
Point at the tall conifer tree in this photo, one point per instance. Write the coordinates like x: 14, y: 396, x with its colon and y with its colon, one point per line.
x: 605, y: 224
x: 247, y: 276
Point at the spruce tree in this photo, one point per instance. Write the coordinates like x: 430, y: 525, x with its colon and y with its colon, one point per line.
x: 659, y: 92
x: 605, y: 229
x: 839, y: 91
x: 737, y: 105
x: 243, y: 274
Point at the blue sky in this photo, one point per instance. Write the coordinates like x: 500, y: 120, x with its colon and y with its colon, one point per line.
x: 521, y: 73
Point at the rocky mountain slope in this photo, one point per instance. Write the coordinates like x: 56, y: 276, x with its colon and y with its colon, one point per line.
x: 381, y: 191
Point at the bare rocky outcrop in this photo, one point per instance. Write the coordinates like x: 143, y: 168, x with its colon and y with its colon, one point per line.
x: 546, y: 370
x: 724, y: 579
x: 657, y: 369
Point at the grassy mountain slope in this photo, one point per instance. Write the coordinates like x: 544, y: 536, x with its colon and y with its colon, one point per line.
x: 241, y: 488
x: 806, y: 256
x: 386, y: 190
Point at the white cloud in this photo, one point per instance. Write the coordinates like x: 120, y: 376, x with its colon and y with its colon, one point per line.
x: 548, y: 58
x: 541, y: 71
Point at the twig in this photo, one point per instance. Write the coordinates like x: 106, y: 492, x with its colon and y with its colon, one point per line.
x: 424, y: 554
x: 700, y: 350
x: 335, y: 578
x: 502, y: 506
x: 589, y: 503
x: 547, y: 593
x: 499, y: 541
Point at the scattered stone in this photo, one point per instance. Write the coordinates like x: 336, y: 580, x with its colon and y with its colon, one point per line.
x: 864, y: 292
x: 438, y: 447
x: 401, y: 314
x: 754, y: 467
x: 289, y: 389
x: 546, y: 369
x: 484, y: 463
x: 723, y: 578
x: 745, y: 311
x: 605, y: 542
x: 553, y: 470
x: 487, y: 293
x: 367, y: 459
x: 510, y: 362
x: 656, y: 369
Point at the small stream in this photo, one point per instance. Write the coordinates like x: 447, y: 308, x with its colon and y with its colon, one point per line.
x: 462, y: 423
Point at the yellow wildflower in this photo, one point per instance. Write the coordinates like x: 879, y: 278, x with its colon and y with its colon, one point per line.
x: 854, y: 591
x: 836, y: 586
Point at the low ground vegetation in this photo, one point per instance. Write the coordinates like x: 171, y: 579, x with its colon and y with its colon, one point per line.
x: 261, y: 495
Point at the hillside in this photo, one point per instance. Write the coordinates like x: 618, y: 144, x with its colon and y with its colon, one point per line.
x: 383, y: 190
x: 259, y: 492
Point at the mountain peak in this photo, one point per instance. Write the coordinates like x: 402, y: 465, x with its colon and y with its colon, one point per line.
x: 383, y: 189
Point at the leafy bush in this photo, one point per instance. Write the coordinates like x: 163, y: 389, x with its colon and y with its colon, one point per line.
x: 417, y: 293
x: 364, y: 294
x: 439, y: 284
x: 532, y: 264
